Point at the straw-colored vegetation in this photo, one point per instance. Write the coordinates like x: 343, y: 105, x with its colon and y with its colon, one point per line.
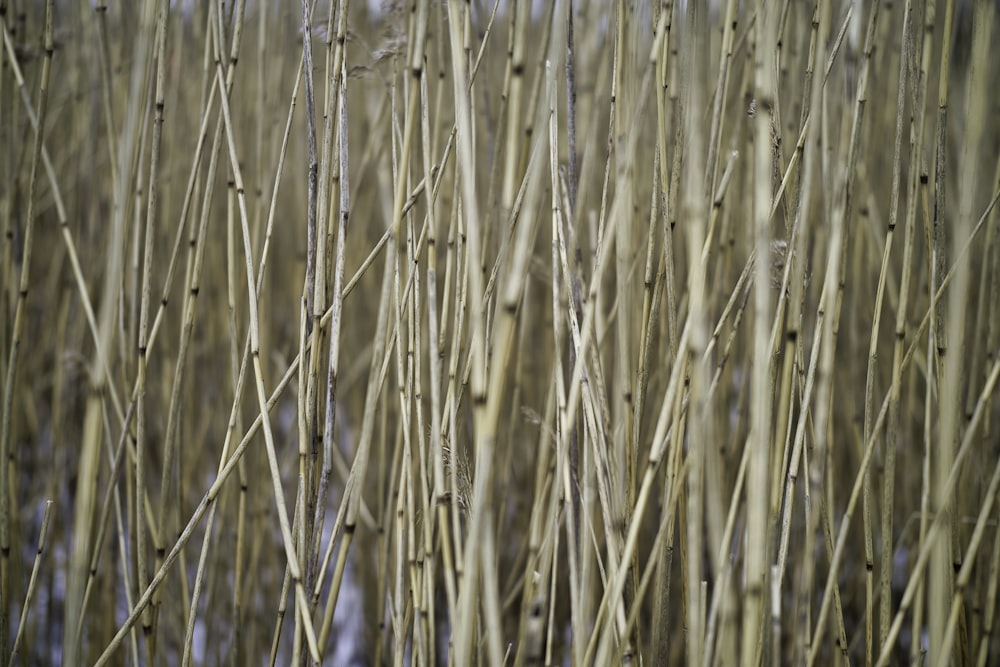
x: 499, y: 332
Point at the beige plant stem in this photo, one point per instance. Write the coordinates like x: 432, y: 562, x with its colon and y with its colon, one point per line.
x: 29, y: 596
x: 24, y: 283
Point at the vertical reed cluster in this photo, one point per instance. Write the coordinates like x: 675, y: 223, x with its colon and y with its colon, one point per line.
x: 499, y: 332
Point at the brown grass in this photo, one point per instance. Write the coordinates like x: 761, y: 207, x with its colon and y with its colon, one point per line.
x: 474, y: 333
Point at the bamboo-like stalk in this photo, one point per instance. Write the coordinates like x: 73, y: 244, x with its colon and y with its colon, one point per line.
x: 29, y: 596
x: 873, y: 353
x: 24, y: 283
x: 695, y: 207
x: 941, y: 576
x: 892, y: 424
x: 937, y: 339
x: 765, y: 92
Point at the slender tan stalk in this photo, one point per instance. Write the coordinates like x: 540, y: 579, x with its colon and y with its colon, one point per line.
x: 29, y: 596
x: 765, y: 92
x: 873, y: 353
x: 24, y: 283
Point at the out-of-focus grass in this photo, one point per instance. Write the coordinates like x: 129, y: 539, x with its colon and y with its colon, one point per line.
x: 632, y: 331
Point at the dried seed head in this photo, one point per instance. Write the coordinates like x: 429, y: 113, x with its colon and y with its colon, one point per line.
x: 779, y: 255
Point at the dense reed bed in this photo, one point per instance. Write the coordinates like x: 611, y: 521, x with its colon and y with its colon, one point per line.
x: 448, y: 332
